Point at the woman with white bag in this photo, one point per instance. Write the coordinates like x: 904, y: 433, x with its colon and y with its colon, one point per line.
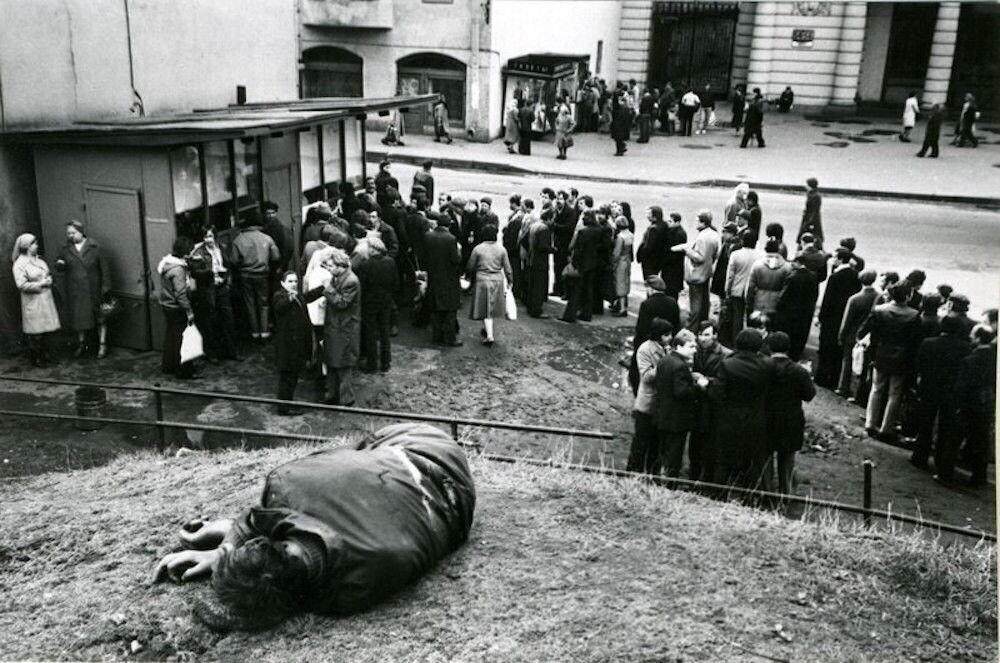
x: 175, y: 300
x: 489, y: 268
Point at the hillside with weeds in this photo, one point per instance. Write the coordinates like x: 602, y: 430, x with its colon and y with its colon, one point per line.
x: 559, y: 566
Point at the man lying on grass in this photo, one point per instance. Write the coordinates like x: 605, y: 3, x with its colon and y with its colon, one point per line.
x: 336, y: 532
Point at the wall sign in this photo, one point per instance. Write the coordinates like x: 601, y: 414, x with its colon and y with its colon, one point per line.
x: 811, y: 8
x: 803, y: 38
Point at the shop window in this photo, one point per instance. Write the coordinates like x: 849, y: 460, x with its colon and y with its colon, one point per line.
x: 185, y: 170
x: 218, y: 180
x: 332, y: 174
x: 248, y: 193
x: 354, y: 151
x: 312, y: 188
x: 328, y: 71
x: 424, y: 73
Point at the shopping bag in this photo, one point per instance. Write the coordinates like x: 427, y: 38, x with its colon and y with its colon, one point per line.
x: 191, y: 344
x: 858, y: 356
x: 711, y: 118
x: 510, y: 305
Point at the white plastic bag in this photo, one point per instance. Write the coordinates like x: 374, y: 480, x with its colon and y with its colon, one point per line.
x: 510, y: 306
x: 711, y: 118
x: 858, y: 355
x: 191, y: 344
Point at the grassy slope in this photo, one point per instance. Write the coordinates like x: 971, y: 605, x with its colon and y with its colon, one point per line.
x: 559, y: 567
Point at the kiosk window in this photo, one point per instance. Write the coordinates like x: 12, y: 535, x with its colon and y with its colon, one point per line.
x: 331, y: 157
x: 185, y: 170
x: 248, y: 194
x: 354, y: 151
x: 309, y: 165
x: 219, y: 184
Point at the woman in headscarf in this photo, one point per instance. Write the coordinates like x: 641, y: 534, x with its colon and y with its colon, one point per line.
x: 341, y: 330
x: 86, y: 280
x: 564, y: 129
x: 737, y: 202
x: 621, y: 265
x: 38, y: 309
x: 512, y: 132
x: 489, y: 266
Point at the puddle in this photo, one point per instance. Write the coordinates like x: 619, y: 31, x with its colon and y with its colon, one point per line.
x: 879, y: 132
x: 597, y: 363
x: 854, y: 138
x: 836, y: 119
x: 834, y: 144
x: 697, y: 147
x: 822, y: 125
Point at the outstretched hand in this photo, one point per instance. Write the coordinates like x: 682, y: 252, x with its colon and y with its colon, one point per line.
x: 185, y: 565
x: 204, y: 534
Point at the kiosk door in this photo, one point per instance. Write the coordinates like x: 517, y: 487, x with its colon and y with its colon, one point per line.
x: 114, y: 219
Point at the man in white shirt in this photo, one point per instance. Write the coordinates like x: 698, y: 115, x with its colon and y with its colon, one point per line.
x: 686, y: 112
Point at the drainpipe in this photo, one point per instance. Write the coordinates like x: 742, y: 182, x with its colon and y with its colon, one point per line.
x: 472, y: 124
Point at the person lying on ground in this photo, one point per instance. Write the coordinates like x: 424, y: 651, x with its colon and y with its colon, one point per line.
x: 336, y: 531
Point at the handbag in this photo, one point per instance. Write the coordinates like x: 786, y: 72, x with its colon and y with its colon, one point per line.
x: 568, y: 141
x: 510, y: 305
x: 570, y: 272
x: 192, y: 345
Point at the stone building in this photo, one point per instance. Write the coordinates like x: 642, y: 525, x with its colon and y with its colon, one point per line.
x: 838, y: 55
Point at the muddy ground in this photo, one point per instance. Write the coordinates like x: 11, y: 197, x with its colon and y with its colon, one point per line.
x: 539, y: 372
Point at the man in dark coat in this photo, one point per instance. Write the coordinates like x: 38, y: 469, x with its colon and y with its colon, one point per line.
x: 563, y: 225
x: 843, y: 284
x: 812, y: 218
x: 511, y: 232
x: 790, y: 387
x: 443, y: 298
x: 379, y: 280
x: 587, y: 250
x: 930, y: 321
x: 859, y: 306
x: 656, y: 305
x: 675, y: 400
x: 933, y: 132
x: 707, y: 361
x: 424, y: 178
x: 742, y: 449
x: 814, y: 258
x: 796, y: 307
x: 977, y: 397
x: 939, y: 360
x: 754, y: 126
x: 653, y: 248
x: 895, y: 336
x: 620, y: 124
x: 539, y: 250
x: 673, y: 262
x: 293, y: 335
x: 274, y: 229
x: 958, y: 305
x: 730, y: 242
x: 525, y: 117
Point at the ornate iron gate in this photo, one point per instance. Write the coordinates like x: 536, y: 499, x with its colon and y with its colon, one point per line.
x: 692, y: 43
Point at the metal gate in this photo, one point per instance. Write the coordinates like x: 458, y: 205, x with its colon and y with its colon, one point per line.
x: 692, y: 44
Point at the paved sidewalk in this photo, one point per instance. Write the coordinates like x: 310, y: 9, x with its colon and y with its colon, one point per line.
x: 849, y: 155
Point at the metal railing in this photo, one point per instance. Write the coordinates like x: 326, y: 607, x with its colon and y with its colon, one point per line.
x: 754, y: 494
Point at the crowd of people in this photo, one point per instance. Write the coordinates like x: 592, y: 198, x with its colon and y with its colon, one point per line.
x: 919, y: 365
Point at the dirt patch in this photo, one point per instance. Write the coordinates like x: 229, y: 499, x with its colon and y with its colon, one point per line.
x: 854, y: 138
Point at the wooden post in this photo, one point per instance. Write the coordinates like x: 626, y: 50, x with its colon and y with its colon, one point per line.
x: 867, y: 498
x: 161, y: 433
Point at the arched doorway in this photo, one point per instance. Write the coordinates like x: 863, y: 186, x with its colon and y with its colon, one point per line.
x: 425, y: 73
x: 328, y: 71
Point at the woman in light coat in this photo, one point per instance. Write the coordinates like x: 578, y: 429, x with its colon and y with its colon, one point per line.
x: 564, y: 129
x: 38, y: 309
x: 512, y: 132
x: 489, y: 265
x: 341, y: 330
x: 621, y: 265
x: 318, y: 273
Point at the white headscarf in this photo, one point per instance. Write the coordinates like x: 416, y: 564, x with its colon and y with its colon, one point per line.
x: 21, y: 245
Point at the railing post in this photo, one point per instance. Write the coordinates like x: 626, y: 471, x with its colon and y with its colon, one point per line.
x: 161, y: 433
x: 454, y: 430
x: 867, y: 498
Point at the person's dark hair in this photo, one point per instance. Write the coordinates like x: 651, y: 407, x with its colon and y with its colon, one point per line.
x: 900, y: 292
x: 890, y: 277
x: 360, y: 218
x: 604, y: 210
x: 772, y: 246
x: 748, y: 240
x: 753, y: 197
x: 268, y: 206
x: 730, y: 228
x: 849, y: 243
x: 444, y: 220
x: 945, y: 291
x: 285, y: 274
x: 991, y: 315
x: 749, y: 340
x: 656, y: 212
x: 759, y: 320
x: 626, y: 210
x: 982, y: 334
x: 867, y: 277
x: 574, y: 192
x: 346, y: 190
x: 807, y: 238
x: 775, y: 230
x: 675, y: 217
x: 489, y: 232
x: 252, y: 219
x: 588, y: 201
x: 549, y: 192
x: 562, y: 194
x: 427, y: 163
x: 528, y: 203
x: 705, y: 324
x: 590, y: 218
x: 73, y: 223
x: 260, y: 583
x: 182, y: 246
x: 779, y: 342
x: 659, y: 328
x: 843, y: 255
x: 916, y: 278
x: 931, y: 303
x: 959, y: 303
x: 487, y: 200
x: 812, y: 182
x: 516, y: 199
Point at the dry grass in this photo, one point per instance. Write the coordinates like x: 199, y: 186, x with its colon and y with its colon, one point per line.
x: 560, y: 566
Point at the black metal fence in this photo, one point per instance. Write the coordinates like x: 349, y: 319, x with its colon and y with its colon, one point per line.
x: 751, y: 495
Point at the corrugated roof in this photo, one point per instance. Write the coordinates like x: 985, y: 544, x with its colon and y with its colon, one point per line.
x: 231, y: 122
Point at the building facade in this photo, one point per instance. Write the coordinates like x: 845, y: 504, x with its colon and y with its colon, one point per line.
x: 835, y: 55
